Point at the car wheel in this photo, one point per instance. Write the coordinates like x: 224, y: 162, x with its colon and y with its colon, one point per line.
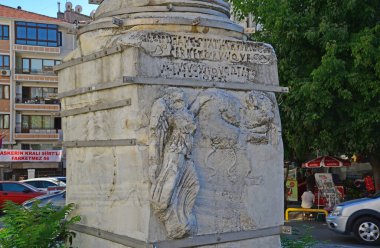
x: 367, y: 230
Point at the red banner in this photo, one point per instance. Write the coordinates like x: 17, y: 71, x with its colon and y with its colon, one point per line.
x: 30, y: 155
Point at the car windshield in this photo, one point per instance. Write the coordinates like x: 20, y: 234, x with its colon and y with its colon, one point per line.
x: 62, y: 179
x: 31, y: 187
x: 60, y: 183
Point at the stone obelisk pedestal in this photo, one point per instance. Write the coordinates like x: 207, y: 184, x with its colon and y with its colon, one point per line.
x: 172, y: 130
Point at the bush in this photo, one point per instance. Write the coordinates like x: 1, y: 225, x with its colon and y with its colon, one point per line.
x: 37, y: 227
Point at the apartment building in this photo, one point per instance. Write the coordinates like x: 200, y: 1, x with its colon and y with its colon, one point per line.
x: 30, y: 46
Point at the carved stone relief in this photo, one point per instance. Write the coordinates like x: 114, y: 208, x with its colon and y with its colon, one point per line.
x: 202, y: 157
x: 172, y: 172
x: 259, y: 114
x: 222, y: 124
x: 219, y: 118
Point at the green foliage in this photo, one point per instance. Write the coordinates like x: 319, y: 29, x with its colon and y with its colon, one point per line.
x: 329, y: 55
x: 305, y: 240
x: 37, y: 227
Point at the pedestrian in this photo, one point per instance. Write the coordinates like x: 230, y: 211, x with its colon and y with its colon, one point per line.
x: 307, y: 202
x: 301, y: 180
x: 310, y: 180
x: 369, y: 185
x: 307, y: 199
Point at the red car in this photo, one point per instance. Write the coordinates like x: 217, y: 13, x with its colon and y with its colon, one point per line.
x: 17, y: 192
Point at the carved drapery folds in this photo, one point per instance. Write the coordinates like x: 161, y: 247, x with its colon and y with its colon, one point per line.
x: 226, y: 123
x: 172, y: 172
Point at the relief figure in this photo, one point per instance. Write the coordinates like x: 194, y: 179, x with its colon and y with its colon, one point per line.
x: 171, y: 170
x: 223, y: 111
x: 259, y: 115
x: 224, y: 165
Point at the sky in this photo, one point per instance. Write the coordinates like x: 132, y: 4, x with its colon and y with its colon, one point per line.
x: 48, y: 7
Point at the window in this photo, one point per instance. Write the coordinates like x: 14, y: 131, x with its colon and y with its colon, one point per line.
x: 35, y: 65
x: 36, y: 184
x: 37, y: 94
x: 25, y: 147
x: 37, y: 122
x: 4, y: 121
x: 46, y: 184
x: 4, y: 91
x: 4, y: 32
x: 59, y: 38
x: 15, y: 187
x: 38, y: 34
x: 4, y: 62
x: 38, y: 65
x: 38, y: 147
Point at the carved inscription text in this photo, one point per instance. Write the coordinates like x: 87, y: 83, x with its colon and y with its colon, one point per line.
x: 201, y: 71
x: 189, y: 47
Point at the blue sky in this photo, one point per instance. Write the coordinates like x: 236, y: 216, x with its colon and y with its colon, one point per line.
x: 48, y: 7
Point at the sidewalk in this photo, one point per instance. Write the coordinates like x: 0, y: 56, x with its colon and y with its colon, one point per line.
x: 325, y: 237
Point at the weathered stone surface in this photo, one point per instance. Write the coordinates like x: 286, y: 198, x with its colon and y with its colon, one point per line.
x: 172, y: 172
x: 207, y: 160
x: 173, y: 7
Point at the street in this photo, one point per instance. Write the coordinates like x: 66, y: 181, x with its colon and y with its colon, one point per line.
x: 321, y: 233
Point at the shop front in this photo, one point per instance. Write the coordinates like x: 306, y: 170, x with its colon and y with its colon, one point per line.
x: 335, y: 180
x: 24, y: 164
x: 327, y: 191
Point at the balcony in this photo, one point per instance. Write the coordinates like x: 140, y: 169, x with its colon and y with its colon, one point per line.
x: 38, y: 134
x: 36, y: 49
x: 43, y: 75
x: 46, y: 71
x: 51, y: 105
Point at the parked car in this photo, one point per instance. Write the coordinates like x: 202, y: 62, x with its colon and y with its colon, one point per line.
x: 62, y: 179
x: 57, y: 199
x: 17, y: 192
x: 360, y: 217
x: 44, y: 183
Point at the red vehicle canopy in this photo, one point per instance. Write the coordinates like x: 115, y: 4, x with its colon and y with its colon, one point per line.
x: 326, y: 161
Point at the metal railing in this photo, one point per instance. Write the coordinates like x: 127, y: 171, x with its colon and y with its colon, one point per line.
x: 37, y: 101
x: 46, y: 72
x: 39, y: 131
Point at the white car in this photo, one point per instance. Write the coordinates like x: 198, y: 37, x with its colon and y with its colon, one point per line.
x: 360, y: 216
x: 46, y: 183
x: 56, y: 199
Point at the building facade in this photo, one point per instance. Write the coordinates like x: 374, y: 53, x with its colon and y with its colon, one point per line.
x: 30, y: 46
x: 72, y: 14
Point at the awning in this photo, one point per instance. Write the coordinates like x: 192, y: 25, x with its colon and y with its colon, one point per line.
x: 326, y: 161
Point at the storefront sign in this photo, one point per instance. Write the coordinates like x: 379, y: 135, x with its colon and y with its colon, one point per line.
x: 292, y: 190
x: 291, y: 185
x: 292, y: 174
x: 327, y: 189
x: 30, y: 155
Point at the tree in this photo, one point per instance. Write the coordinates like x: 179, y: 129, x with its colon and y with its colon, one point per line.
x: 329, y: 55
x: 38, y: 227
